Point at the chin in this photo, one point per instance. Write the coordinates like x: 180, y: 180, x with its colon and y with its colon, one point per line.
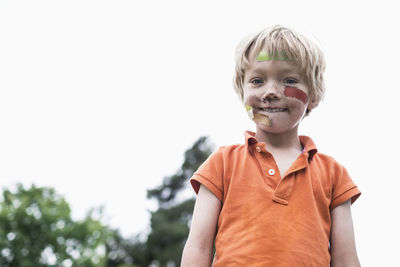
x: 276, y: 129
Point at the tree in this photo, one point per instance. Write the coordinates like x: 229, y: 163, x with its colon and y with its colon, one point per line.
x: 122, y: 252
x: 194, y: 157
x: 36, y: 230
x: 170, y: 223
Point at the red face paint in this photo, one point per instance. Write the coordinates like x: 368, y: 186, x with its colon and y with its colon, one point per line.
x: 296, y: 93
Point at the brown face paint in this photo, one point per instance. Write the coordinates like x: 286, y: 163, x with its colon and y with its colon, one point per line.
x: 258, y: 118
x: 262, y: 119
x: 296, y: 93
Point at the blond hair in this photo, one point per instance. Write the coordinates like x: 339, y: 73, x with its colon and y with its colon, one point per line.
x: 295, y: 47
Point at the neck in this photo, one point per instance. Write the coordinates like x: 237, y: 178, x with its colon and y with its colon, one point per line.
x: 288, y: 140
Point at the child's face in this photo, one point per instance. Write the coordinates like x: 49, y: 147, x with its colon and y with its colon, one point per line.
x: 276, y: 89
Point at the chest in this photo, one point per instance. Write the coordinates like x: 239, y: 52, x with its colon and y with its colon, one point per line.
x: 258, y: 174
x: 254, y: 194
x: 284, y: 161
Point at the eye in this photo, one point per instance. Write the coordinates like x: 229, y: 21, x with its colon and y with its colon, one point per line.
x: 256, y: 81
x: 290, y: 81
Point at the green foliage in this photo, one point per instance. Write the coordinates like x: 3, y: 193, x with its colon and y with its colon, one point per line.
x: 170, y: 228
x: 36, y: 230
x: 122, y: 252
x: 170, y: 223
x: 194, y: 157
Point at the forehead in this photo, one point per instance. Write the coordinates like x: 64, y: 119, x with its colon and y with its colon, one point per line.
x: 273, y: 67
x: 262, y: 61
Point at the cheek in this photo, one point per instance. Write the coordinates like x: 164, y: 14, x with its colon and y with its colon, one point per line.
x: 296, y: 93
x: 250, y: 99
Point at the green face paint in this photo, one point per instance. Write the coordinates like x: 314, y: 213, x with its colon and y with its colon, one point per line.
x: 249, y: 110
x: 263, y: 56
x: 281, y: 56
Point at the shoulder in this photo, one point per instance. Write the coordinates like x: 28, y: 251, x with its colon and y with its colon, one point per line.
x: 232, y: 148
x: 329, y: 169
x: 316, y: 158
x: 221, y: 160
x: 326, y: 162
x: 229, y: 151
x: 212, y: 171
x: 342, y: 185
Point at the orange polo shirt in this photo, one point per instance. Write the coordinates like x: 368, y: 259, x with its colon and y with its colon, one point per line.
x: 268, y: 220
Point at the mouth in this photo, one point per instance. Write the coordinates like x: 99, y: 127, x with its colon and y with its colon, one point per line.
x: 272, y: 110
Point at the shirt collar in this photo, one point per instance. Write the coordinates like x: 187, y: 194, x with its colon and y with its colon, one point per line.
x: 307, y: 142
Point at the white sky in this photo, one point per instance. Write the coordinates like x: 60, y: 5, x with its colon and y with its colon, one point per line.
x: 100, y: 99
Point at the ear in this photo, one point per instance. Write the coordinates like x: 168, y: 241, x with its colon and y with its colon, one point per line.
x: 312, y: 104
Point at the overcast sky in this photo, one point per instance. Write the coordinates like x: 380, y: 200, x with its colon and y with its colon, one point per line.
x: 100, y: 99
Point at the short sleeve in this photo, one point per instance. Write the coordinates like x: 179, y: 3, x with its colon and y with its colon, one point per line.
x: 343, y: 187
x: 210, y: 174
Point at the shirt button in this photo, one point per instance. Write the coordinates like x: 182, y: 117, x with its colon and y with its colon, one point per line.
x: 258, y: 149
x: 271, y: 171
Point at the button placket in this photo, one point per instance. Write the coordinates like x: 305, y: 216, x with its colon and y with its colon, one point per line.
x: 284, y: 189
x: 264, y: 161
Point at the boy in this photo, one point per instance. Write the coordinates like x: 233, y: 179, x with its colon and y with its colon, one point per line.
x: 274, y: 200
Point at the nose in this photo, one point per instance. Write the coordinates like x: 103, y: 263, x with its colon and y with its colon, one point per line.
x: 271, y: 93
